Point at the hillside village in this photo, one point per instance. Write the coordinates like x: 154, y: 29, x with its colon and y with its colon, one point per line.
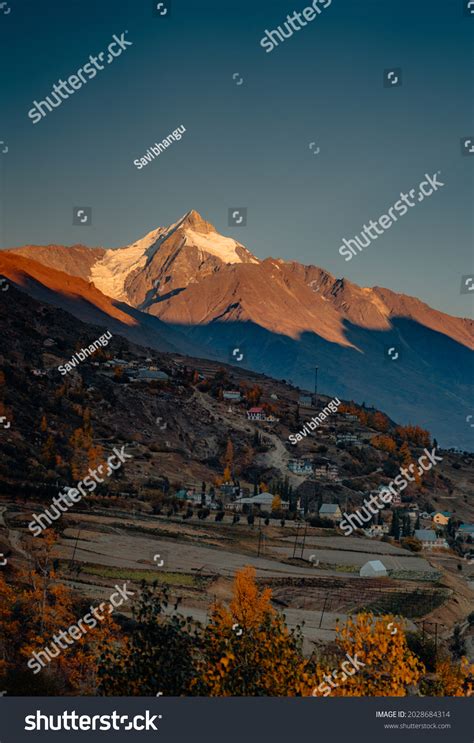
x: 214, y: 483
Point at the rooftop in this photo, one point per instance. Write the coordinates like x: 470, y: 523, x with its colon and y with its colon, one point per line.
x: 329, y: 508
x: 425, y: 535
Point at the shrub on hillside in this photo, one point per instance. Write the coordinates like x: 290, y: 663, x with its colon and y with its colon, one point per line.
x: 411, y: 543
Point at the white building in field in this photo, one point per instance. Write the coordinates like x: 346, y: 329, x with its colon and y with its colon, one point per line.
x: 373, y: 569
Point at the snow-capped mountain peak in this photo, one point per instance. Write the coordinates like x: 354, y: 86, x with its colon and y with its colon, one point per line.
x: 191, y: 240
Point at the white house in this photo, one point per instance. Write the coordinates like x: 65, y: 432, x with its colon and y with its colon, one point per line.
x: 330, y: 511
x: 430, y: 540
x: 262, y: 500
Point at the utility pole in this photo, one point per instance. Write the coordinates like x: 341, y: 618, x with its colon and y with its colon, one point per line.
x: 324, y: 607
x: 74, y: 551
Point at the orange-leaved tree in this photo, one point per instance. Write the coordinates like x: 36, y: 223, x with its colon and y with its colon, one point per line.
x: 384, y: 664
x: 385, y: 443
x: 247, y: 650
x: 453, y: 679
x: 43, y: 607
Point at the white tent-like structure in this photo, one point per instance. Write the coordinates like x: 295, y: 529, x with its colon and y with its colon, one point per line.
x: 373, y: 569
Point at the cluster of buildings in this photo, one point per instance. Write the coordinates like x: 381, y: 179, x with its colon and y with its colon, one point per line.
x: 137, y: 371
x: 261, y: 501
x: 259, y: 414
x: 302, y: 466
x: 349, y: 439
x: 326, y: 472
x: 255, y: 413
x: 434, y: 533
x: 231, y: 497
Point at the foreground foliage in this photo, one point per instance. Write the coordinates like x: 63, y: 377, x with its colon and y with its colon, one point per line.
x: 245, y: 648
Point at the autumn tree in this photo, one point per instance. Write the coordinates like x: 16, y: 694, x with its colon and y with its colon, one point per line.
x: 405, y: 454
x: 276, y: 503
x: 407, y: 460
x: 228, y: 461
x: 95, y: 457
x: 387, y: 667
x: 253, y: 394
x: 452, y: 679
x: 379, y: 421
x: 414, y: 435
x: 46, y: 607
x: 248, y: 650
x: 384, y: 443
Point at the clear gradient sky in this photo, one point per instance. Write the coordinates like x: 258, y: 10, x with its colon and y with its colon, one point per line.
x: 248, y: 145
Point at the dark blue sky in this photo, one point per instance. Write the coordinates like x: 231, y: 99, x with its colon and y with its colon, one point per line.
x: 248, y: 145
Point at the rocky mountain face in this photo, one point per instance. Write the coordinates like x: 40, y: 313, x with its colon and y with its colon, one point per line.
x: 212, y: 295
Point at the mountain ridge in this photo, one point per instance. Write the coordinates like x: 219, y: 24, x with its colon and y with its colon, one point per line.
x: 151, y: 274
x: 210, y: 294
